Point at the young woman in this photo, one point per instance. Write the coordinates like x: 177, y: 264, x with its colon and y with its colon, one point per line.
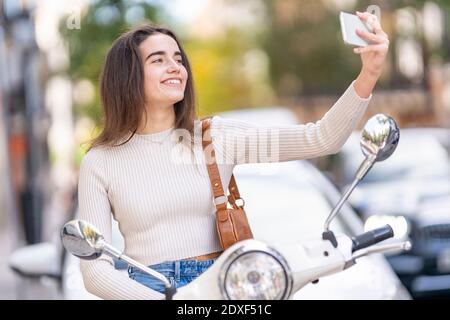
x: 165, y: 207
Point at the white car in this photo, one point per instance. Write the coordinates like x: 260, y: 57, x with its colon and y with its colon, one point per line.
x: 290, y: 200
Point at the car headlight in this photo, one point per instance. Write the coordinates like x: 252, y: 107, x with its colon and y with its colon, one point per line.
x: 255, y: 271
x: 399, y: 224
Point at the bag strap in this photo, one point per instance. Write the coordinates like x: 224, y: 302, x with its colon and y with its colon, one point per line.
x: 234, y: 193
x: 220, y: 201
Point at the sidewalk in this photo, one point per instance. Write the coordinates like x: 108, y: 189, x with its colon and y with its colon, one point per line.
x: 12, y: 285
x: 7, y: 277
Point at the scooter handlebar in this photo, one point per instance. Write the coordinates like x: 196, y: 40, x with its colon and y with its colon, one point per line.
x: 372, y: 237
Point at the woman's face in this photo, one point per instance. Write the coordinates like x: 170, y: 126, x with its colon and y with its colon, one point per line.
x: 164, y: 74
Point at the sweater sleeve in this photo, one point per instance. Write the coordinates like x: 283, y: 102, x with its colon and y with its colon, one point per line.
x: 99, y: 276
x: 238, y: 142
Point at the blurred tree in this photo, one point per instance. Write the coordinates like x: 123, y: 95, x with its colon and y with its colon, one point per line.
x: 100, y: 25
x: 218, y: 63
x: 442, y: 51
x: 307, y: 53
x: 445, y: 4
x: 306, y: 50
x: 225, y: 75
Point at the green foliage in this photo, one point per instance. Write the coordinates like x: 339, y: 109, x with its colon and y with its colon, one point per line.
x: 216, y: 62
x: 219, y: 75
x: 445, y: 4
x: 303, y: 44
x: 306, y: 49
x: 104, y: 21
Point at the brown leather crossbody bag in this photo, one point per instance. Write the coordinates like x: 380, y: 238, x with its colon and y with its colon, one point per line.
x: 232, y: 223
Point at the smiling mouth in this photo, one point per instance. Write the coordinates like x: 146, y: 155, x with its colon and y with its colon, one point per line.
x: 172, y: 82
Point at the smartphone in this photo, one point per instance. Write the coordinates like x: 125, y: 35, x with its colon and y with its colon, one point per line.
x: 349, y: 24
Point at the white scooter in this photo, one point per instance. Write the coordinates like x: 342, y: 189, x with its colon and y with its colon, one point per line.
x: 252, y: 269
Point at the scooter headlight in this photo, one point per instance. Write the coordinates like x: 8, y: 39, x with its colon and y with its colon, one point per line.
x: 255, y: 272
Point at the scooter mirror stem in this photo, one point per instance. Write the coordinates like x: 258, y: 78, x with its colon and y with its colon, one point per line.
x: 340, y: 204
x: 379, y: 140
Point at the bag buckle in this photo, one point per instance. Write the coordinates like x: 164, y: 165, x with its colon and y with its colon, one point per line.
x: 222, y: 199
x: 243, y: 202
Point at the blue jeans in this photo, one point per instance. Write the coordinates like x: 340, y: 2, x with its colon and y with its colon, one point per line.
x: 179, y: 273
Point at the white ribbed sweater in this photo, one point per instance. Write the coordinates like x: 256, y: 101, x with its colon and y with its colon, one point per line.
x: 164, y: 207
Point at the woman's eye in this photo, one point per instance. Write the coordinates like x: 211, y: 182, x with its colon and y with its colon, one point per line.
x: 157, y: 60
x: 180, y: 61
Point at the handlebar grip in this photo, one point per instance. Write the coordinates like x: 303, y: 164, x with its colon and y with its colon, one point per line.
x: 371, y: 237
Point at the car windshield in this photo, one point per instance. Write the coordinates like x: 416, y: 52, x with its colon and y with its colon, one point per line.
x: 415, y: 158
x: 285, y: 202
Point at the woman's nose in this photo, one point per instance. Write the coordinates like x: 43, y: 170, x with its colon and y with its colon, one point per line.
x: 174, y: 67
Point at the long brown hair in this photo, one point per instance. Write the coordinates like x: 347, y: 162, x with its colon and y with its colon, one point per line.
x: 122, y: 89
